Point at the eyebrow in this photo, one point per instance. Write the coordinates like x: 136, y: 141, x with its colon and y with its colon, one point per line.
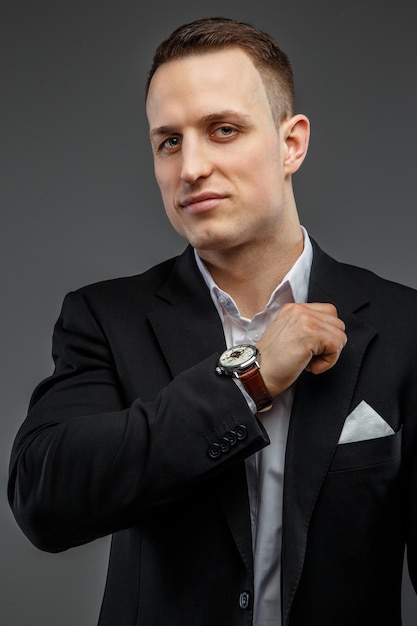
x: 213, y: 117
x: 227, y: 113
x: 161, y: 130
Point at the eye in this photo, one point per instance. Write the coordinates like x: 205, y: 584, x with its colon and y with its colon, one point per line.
x: 170, y: 143
x: 225, y: 131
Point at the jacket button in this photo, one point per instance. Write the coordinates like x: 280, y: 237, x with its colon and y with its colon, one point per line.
x: 224, y: 444
x: 244, y: 600
x: 231, y: 437
x: 214, y: 451
x: 241, y: 432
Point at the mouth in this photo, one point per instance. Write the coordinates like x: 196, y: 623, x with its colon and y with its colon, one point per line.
x: 201, y: 202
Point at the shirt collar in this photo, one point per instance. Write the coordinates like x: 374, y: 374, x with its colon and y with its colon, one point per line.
x: 297, y: 280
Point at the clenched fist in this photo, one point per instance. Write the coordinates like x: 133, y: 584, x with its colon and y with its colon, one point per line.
x: 303, y: 337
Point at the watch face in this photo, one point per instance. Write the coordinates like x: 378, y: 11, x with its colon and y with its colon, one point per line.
x: 238, y: 357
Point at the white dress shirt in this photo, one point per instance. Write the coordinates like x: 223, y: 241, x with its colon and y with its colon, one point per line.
x: 265, y: 469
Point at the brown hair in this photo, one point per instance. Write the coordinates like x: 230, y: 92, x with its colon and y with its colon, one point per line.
x: 214, y: 33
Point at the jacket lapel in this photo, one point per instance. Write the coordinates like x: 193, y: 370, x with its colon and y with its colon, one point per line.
x: 320, y: 407
x: 185, y: 322
x: 188, y: 329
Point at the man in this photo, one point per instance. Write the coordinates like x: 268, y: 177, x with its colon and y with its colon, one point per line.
x: 279, y: 495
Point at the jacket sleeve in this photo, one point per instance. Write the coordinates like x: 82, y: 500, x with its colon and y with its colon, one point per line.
x: 84, y: 465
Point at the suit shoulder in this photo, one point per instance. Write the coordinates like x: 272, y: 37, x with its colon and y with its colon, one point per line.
x: 119, y: 298
x: 145, y: 282
x: 346, y: 278
x: 375, y: 284
x: 354, y: 288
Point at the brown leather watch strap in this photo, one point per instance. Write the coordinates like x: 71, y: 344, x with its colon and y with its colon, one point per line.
x: 254, y: 384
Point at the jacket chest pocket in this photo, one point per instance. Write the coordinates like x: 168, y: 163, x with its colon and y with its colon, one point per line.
x: 367, y: 453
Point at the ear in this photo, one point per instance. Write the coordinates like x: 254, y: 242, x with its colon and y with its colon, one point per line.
x: 296, y: 135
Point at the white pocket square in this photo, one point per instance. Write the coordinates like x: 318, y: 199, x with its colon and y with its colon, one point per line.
x: 364, y: 423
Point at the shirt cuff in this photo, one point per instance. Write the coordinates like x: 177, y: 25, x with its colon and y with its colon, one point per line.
x: 249, y: 400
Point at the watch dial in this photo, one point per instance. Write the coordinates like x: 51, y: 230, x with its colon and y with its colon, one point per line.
x: 238, y: 356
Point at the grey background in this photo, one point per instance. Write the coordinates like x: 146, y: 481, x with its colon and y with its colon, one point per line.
x: 79, y: 204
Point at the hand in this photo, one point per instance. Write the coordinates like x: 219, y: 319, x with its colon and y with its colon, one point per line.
x: 302, y: 337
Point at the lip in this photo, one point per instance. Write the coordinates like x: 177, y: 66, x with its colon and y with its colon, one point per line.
x: 201, y: 202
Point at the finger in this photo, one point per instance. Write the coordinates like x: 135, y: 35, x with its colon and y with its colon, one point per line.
x: 328, y: 358
x: 310, y: 313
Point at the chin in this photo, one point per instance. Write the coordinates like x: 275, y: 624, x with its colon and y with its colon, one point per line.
x: 211, y: 239
x: 211, y: 244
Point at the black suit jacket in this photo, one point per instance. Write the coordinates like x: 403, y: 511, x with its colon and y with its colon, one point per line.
x: 118, y: 442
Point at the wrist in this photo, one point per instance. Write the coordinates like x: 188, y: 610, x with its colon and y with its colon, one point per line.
x: 242, y: 362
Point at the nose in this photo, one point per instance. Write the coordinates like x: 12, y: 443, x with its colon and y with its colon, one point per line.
x: 196, y: 161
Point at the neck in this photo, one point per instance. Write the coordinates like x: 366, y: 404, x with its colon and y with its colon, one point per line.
x: 250, y: 276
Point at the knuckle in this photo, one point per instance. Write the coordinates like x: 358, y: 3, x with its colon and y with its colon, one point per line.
x: 332, y: 309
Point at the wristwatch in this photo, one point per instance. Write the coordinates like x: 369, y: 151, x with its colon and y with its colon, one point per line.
x: 242, y: 363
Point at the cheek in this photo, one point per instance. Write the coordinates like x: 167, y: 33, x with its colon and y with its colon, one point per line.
x: 267, y: 172
x: 174, y: 220
x: 165, y: 184
x: 263, y: 161
x: 160, y: 177
x: 171, y: 212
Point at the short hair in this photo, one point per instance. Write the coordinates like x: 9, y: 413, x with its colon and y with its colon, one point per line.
x: 217, y: 33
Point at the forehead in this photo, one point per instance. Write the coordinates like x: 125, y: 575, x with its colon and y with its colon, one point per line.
x: 204, y: 82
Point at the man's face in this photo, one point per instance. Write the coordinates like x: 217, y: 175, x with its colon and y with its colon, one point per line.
x: 218, y: 154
